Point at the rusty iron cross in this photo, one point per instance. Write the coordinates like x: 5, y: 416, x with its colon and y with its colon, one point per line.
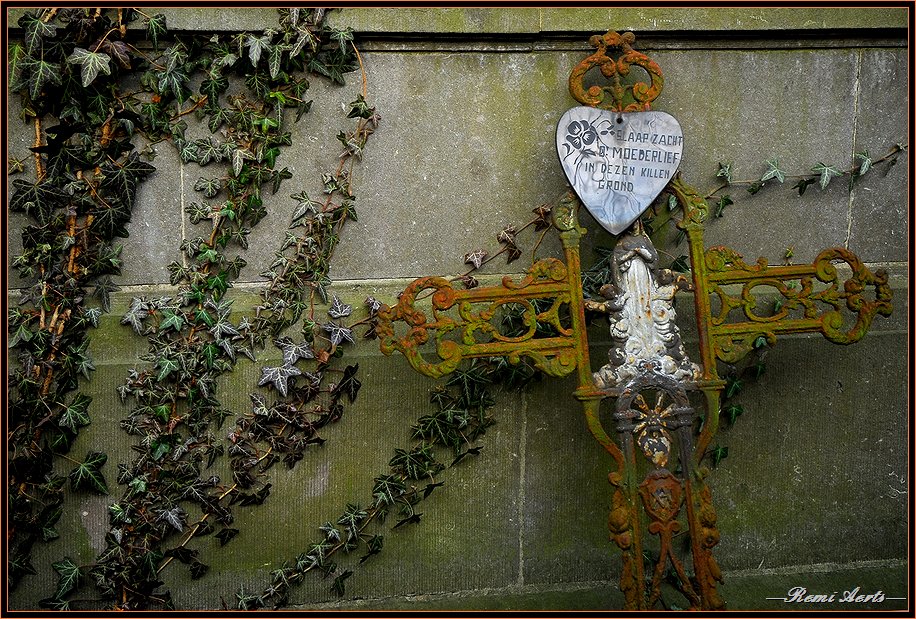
x: 659, y: 485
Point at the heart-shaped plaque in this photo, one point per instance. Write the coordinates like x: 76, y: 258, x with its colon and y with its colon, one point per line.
x: 618, y: 162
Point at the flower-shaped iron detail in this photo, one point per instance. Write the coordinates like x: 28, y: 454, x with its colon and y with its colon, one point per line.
x: 651, y: 425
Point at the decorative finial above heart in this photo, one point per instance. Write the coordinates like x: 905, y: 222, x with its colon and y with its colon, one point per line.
x: 617, y: 154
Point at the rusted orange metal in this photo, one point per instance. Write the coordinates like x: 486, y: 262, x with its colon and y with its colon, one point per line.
x: 616, y: 96
x: 648, y: 498
x: 472, y: 333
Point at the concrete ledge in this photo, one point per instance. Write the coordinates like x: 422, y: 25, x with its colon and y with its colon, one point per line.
x: 514, y: 21
x: 742, y: 591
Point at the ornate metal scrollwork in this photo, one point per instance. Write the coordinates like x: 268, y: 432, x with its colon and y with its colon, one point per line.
x: 657, y: 453
x: 820, y: 307
x: 617, y: 96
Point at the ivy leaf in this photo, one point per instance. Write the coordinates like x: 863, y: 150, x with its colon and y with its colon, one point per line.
x: 725, y: 171
x: 774, y: 171
x: 338, y: 333
x: 865, y: 164
x: 475, y: 451
x: 88, y: 474
x: 174, y: 320
x: 717, y: 454
x: 411, y: 519
x: 176, y: 517
x: 802, y: 185
x: 42, y: 73
x: 124, y: 178
x: 168, y: 366
x: 339, y: 309
x: 54, y: 603
x: 69, y: 576
x: 137, y: 311
x: 117, y: 50
x: 359, y: 108
x: 239, y: 156
x: 732, y: 388
x: 428, y: 489
x: 76, y: 415
x: 374, y: 545
x: 91, y: 63
x: 256, y: 45
x: 331, y: 533
x: 18, y: 61
x: 724, y: 201
x: 826, y: 172
x: 338, y: 586
x: 292, y: 352
x: 210, y: 186
x: 475, y: 258
x: 681, y: 265
x: 225, y: 535
x: 349, y: 384
x: 274, y: 59
x: 732, y: 412
x: 198, y: 569
x: 278, y: 377
x: 35, y: 30
x: 155, y: 27
x: 342, y: 36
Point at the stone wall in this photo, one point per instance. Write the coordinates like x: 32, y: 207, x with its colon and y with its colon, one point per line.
x: 815, y: 482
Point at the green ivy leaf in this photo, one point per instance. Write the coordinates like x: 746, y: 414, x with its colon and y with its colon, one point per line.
x: 210, y: 186
x: 18, y: 59
x: 681, y: 264
x: 167, y: 367
x: 87, y: 474
x: 42, y: 73
x: 155, y: 28
x: 256, y: 45
x: 274, y: 60
x: 724, y: 201
x: 374, y: 546
x: 826, y: 172
x: 338, y: 586
x: 725, y: 171
x: 35, y: 30
x: 225, y: 535
x: 360, y: 109
x: 717, y: 454
x: 76, y: 415
x: 173, y: 320
x: 69, y: 575
x: 774, y: 171
x: 91, y: 63
x: 802, y: 185
x: 239, y: 156
x: 865, y: 162
x: 278, y: 377
x: 732, y: 387
x: 732, y: 412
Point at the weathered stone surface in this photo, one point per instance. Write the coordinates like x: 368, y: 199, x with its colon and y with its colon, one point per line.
x: 719, y: 19
x: 816, y: 473
x: 879, y: 215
